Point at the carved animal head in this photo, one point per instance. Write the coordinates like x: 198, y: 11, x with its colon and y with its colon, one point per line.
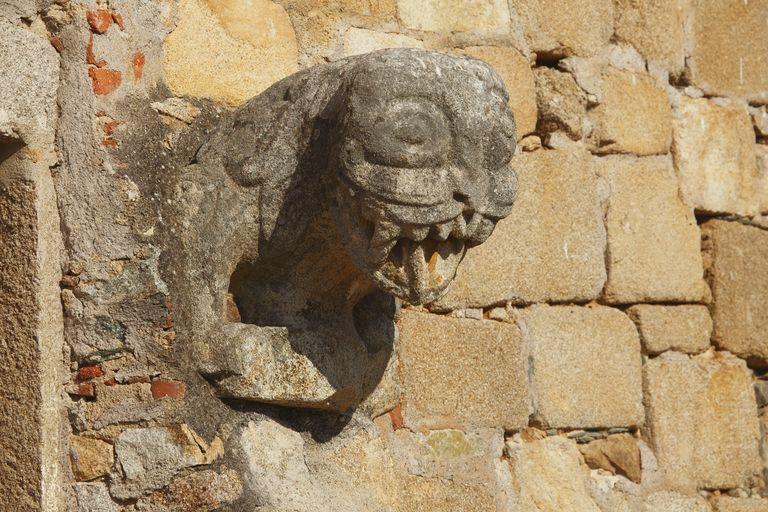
x: 410, y: 147
x: 423, y: 167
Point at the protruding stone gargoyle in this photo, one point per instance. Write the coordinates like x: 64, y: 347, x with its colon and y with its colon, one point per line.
x: 320, y: 199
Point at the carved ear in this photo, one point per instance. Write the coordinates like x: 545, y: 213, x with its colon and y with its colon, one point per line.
x: 278, y: 144
x: 258, y: 137
x: 262, y: 142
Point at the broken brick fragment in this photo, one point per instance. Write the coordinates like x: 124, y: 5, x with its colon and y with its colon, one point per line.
x: 108, y: 140
x: 168, y: 322
x: 90, y: 57
x: 69, y: 281
x: 110, y: 126
x: 99, y: 20
x: 88, y: 373
x: 104, y: 80
x: 396, y: 417
x: 86, y: 389
x: 118, y: 19
x: 57, y: 44
x: 138, y: 65
x: 170, y: 388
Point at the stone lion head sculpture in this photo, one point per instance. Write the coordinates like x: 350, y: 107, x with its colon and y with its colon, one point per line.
x: 423, y: 167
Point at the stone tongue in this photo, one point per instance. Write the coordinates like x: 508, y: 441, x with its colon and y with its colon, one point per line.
x: 415, y: 265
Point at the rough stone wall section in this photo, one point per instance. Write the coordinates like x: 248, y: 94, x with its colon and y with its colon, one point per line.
x: 605, y: 350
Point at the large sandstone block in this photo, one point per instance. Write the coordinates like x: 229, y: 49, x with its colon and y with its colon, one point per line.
x: 27, y: 86
x: 90, y: 458
x: 459, y: 373
x: 584, y: 366
x: 634, y: 115
x: 702, y: 420
x: 374, y: 469
x: 515, y: 71
x: 437, y: 495
x: 653, y: 240
x: 549, y: 475
x: 737, y: 270
x: 204, y: 490
x: 727, y: 43
x: 360, y: 40
x: 94, y: 497
x: 654, y: 28
x: 485, y: 17
x: 550, y: 248
x: 470, y: 457
x: 728, y: 504
x: 20, y: 460
x: 148, y: 458
x: 673, y: 502
x: 713, y: 148
x: 227, y: 52
x: 761, y: 150
x: 557, y: 28
x: 682, y: 328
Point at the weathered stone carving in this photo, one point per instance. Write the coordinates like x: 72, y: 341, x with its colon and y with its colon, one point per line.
x: 317, y: 201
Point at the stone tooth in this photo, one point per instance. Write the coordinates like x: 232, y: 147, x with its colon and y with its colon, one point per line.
x: 459, y: 230
x: 416, y: 266
x: 473, y: 224
x: 442, y: 231
x: 482, y: 231
x: 385, y: 235
x: 416, y: 233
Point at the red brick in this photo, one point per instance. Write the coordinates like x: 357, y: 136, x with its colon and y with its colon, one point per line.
x: 138, y: 65
x: 99, y: 20
x: 90, y: 58
x: 89, y: 372
x: 170, y: 388
x: 104, y: 80
x: 118, y: 19
x: 86, y: 389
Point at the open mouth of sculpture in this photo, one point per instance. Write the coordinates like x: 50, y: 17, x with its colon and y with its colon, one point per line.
x: 417, y: 263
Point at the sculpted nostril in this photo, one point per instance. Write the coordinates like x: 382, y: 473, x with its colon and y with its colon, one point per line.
x: 460, y: 197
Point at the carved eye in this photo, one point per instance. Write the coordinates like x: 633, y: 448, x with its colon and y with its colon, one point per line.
x: 414, y: 129
x: 411, y: 132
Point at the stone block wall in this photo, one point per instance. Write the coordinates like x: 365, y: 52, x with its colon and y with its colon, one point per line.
x: 605, y: 350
